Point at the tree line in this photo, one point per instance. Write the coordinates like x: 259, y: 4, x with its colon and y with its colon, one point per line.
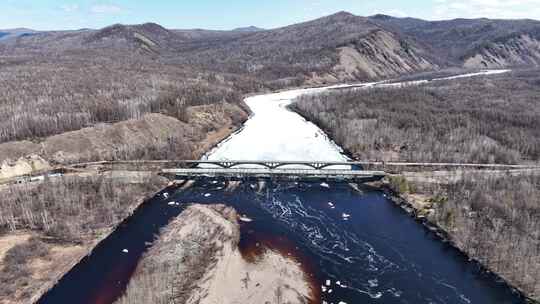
x: 42, y: 98
x: 481, y: 120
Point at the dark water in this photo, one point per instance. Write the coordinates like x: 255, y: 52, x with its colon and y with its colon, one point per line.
x: 377, y: 252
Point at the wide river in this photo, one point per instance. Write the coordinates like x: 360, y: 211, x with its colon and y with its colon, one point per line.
x: 359, y: 245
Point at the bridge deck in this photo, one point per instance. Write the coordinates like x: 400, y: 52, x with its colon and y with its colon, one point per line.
x: 293, y: 174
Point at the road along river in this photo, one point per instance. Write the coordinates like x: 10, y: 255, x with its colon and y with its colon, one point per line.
x: 356, y: 247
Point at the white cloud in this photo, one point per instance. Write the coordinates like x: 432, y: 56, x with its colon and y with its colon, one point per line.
x: 395, y: 13
x: 106, y: 9
x: 69, y: 8
x: 509, y: 9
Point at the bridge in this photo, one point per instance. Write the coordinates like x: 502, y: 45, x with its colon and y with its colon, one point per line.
x: 270, y: 164
x: 275, y: 174
x: 156, y: 165
x: 275, y: 170
x: 288, y: 170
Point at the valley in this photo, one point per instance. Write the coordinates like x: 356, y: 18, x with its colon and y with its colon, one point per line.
x: 341, y: 87
x: 278, y: 206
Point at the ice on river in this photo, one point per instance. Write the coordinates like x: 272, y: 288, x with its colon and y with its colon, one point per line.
x: 276, y: 133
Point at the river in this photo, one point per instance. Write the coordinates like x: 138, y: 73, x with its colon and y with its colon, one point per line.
x: 359, y: 245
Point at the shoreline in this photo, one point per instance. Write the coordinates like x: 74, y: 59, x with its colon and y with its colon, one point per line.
x: 443, y: 236
x: 268, y: 273
x: 91, y: 247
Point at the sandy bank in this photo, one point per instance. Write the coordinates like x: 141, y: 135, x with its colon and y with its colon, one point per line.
x: 195, y: 263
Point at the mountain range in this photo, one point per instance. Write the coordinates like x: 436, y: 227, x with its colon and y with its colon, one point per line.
x: 335, y: 48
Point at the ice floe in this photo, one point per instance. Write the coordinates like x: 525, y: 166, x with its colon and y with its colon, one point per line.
x: 245, y: 219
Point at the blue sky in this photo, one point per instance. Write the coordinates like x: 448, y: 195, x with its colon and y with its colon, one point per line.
x: 74, y: 14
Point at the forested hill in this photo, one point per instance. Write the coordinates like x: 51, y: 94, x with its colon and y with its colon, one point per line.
x: 336, y: 48
x: 339, y: 47
x: 474, y: 43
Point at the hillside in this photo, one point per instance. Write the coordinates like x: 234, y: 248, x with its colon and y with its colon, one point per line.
x: 473, y: 43
x: 335, y: 48
x: 148, y: 37
x: 144, y: 38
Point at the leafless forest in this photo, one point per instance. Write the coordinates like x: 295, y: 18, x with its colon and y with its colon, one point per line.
x: 16, y: 273
x: 46, y: 98
x: 480, y: 120
x: 70, y: 210
x: 497, y: 222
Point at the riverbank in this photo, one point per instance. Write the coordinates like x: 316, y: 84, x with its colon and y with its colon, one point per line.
x: 81, y: 199
x: 432, y: 201
x: 194, y: 263
x: 490, y: 215
x: 56, y: 223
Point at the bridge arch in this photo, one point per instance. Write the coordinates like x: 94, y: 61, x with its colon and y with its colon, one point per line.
x: 225, y: 164
x: 311, y: 165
